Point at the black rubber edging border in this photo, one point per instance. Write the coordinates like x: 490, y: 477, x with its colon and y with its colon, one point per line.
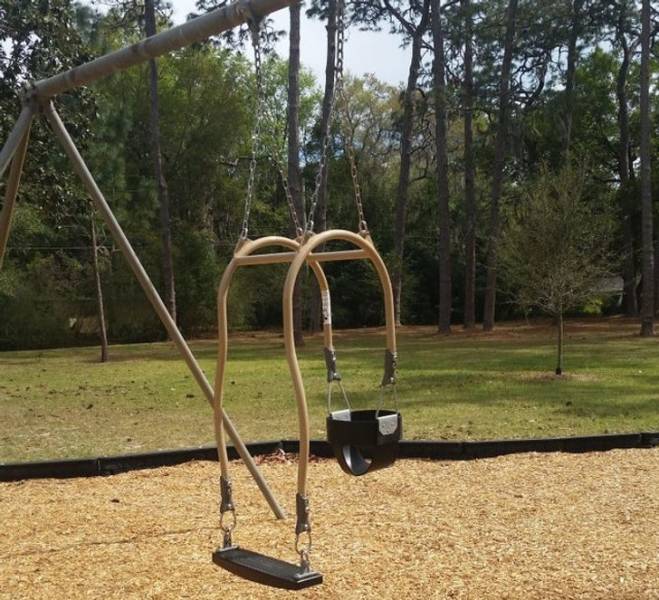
x: 429, y: 449
x: 111, y: 465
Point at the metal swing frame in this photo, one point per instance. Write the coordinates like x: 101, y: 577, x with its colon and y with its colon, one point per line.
x: 37, y: 99
x: 302, y: 251
x: 245, y: 563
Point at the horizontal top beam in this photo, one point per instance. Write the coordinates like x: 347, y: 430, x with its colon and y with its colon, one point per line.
x: 286, y: 257
x: 195, y: 30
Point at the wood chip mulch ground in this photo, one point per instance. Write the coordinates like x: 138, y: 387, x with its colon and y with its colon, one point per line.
x: 526, y: 526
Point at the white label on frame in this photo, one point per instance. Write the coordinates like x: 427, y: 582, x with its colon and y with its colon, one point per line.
x: 327, y: 307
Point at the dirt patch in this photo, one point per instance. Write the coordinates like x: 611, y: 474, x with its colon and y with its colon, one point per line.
x: 523, y: 527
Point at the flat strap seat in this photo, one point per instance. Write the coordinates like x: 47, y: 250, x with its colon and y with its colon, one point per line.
x: 364, y: 441
x: 265, y: 569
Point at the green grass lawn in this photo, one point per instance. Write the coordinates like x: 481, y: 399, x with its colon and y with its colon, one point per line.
x: 63, y: 403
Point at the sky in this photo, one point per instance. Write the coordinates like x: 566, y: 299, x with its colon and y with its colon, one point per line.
x: 365, y: 52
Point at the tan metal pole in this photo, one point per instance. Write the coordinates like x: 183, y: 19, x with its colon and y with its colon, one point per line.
x: 244, y: 251
x: 195, y: 30
x: 289, y: 340
x: 13, y: 182
x: 287, y: 257
x: 15, y: 136
x: 153, y: 296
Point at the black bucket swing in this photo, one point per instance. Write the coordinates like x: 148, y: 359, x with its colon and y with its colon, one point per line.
x: 363, y: 440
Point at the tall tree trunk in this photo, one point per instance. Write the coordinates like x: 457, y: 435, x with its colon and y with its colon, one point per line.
x: 161, y: 182
x: 470, y: 171
x: 321, y: 207
x: 630, y: 307
x: 439, y: 78
x: 647, y: 300
x: 575, y: 28
x: 103, y: 332
x: 294, y: 174
x: 402, y: 193
x: 498, y: 167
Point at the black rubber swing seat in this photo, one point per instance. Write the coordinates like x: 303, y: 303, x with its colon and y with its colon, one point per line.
x: 364, y: 441
x: 265, y: 569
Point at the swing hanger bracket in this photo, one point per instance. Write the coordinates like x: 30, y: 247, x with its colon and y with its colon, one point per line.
x: 253, y: 20
x: 330, y: 362
x: 390, y: 364
x: 302, y: 527
x: 303, y: 523
x: 363, y: 230
x: 242, y: 240
x: 226, y: 495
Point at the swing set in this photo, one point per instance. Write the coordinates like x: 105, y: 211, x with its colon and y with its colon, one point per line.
x: 362, y: 440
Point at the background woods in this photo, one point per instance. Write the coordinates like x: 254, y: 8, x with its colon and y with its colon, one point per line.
x: 501, y: 98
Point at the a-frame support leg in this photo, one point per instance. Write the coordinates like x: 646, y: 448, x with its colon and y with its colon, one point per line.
x: 15, y: 136
x: 11, y: 190
x: 152, y: 294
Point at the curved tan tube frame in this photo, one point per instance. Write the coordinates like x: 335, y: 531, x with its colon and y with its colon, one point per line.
x: 243, y: 256
x: 303, y: 254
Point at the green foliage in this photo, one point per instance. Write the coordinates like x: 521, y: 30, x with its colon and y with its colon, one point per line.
x: 556, y: 250
x: 207, y: 113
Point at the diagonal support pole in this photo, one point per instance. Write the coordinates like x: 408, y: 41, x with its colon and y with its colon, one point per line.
x: 152, y: 294
x: 15, y: 136
x: 11, y: 190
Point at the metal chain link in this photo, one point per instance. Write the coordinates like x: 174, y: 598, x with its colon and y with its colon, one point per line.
x: 325, y: 134
x: 256, y: 131
x: 394, y: 393
x: 345, y: 121
x: 324, y: 145
x: 261, y: 110
x: 278, y: 162
x: 343, y: 393
x: 276, y: 156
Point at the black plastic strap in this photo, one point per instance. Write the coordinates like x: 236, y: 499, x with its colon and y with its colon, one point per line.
x: 330, y: 363
x: 302, y: 508
x: 226, y: 503
x: 390, y: 363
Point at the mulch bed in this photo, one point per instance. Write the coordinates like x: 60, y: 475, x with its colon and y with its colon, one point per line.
x: 521, y: 526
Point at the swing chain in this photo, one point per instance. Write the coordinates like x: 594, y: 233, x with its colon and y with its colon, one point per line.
x: 325, y: 134
x: 257, y: 146
x: 299, y: 231
x: 254, y: 27
x: 322, y: 163
x: 346, y: 400
x: 263, y: 108
x: 394, y: 393
x: 345, y: 121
